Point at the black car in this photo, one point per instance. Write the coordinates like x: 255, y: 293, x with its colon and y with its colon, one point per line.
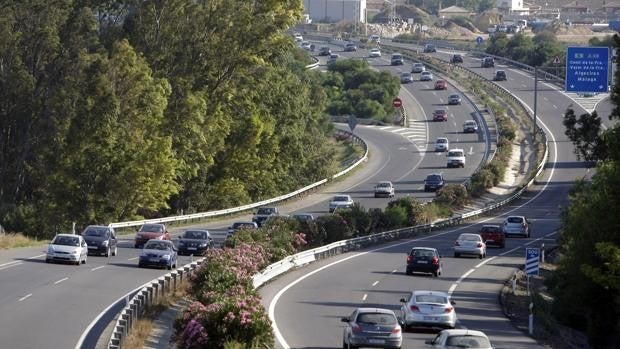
x: 264, y: 213
x: 500, y: 75
x: 488, y: 62
x: 325, y: 51
x: 194, y: 242
x: 350, y: 47
x: 429, y: 48
x: 433, y: 182
x: 424, y: 260
x: 101, y: 240
x: 456, y: 58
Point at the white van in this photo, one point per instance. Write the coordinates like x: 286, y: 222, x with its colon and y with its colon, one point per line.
x: 456, y: 158
x: 375, y: 38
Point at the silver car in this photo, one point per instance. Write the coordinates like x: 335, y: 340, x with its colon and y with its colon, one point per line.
x: 418, y: 68
x: 67, y: 248
x: 384, y: 188
x: 340, y: 201
x: 426, y: 76
x: 428, y: 309
x: 442, y: 144
x: 454, y: 99
x: 470, y: 126
x: 470, y: 244
x: 460, y: 339
x: 372, y: 328
x: 516, y: 225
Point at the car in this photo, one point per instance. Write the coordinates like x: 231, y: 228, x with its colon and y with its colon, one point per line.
x: 442, y: 144
x: 428, y: 309
x: 500, y: 75
x: 460, y: 338
x: 487, y: 62
x: 158, y: 253
x: 418, y: 68
x: 241, y: 226
x: 101, y: 240
x: 306, y: 45
x: 423, y: 260
x: 406, y: 78
x: 429, y: 48
x: 333, y: 58
x: 67, y: 248
x: 468, y: 243
x: 426, y: 76
x: 493, y: 235
x: 397, y: 59
x: 340, y: 201
x: 502, y: 28
x: 441, y: 85
x: 374, y: 52
x: 151, y: 231
x: 516, y: 225
x: 456, y: 58
x: 375, y: 39
x: 372, y: 328
x: 433, y: 182
x: 455, y: 158
x: 298, y: 37
x: 303, y: 217
x: 264, y: 213
x: 440, y: 115
x: 194, y: 242
x: 350, y: 47
x: 384, y: 188
x: 454, y: 99
x: 325, y: 51
x: 470, y: 126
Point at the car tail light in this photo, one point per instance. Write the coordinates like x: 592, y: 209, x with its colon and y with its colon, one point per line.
x: 409, y: 259
x: 448, y: 310
x: 435, y: 260
x: 414, y: 308
x: 479, y: 244
x: 356, y: 328
x: 456, y: 243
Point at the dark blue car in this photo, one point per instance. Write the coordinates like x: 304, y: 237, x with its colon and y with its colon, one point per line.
x: 158, y: 253
x: 433, y: 182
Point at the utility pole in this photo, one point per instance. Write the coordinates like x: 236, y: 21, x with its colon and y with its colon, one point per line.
x: 535, y: 100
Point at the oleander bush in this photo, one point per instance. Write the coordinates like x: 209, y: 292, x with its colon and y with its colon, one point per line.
x: 454, y: 195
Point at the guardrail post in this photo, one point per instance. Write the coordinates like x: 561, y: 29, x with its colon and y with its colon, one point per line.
x: 167, y: 279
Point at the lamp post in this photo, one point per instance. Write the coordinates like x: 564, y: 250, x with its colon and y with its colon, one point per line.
x: 535, y: 100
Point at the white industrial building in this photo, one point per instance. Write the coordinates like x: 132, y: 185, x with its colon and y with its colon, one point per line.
x: 331, y: 11
x: 514, y: 7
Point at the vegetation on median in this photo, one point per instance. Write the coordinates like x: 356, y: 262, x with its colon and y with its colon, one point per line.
x: 14, y: 240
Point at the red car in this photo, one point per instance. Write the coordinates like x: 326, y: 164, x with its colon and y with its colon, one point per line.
x: 493, y: 235
x: 441, y: 85
x: 151, y: 231
x: 440, y: 115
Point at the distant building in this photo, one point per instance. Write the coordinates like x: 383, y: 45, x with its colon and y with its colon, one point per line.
x: 512, y: 7
x: 612, y: 8
x: 332, y: 11
x: 575, y: 8
x: 455, y: 11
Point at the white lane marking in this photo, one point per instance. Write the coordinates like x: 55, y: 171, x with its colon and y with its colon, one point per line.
x: 274, y: 301
x: 12, y: 265
x: 375, y: 283
x: 546, y: 99
x: 395, y: 270
x: 555, y: 106
x: 131, y: 259
x: 19, y: 262
x: 487, y: 260
x: 364, y: 298
x: 61, y: 280
x: 471, y: 151
x: 93, y: 269
x: 385, y: 128
x: 8, y: 263
x: 25, y: 297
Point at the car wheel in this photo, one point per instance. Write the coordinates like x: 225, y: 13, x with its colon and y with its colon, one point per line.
x: 436, y: 273
x: 115, y: 252
x: 344, y: 344
x: 84, y: 260
x: 502, y: 245
x: 47, y: 261
x: 77, y: 262
x: 108, y: 252
x: 169, y: 267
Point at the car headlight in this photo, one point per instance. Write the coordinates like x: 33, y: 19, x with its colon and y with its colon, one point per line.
x: 105, y: 243
x: 204, y: 244
x: 50, y: 249
x: 166, y: 256
x: 76, y: 252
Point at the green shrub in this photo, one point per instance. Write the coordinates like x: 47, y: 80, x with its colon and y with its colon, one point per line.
x: 480, y: 182
x: 358, y: 219
x: 396, y: 216
x: 454, y: 195
x: 413, y: 207
x: 498, y: 169
x: 334, y: 228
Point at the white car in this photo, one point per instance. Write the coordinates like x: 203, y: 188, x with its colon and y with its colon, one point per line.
x: 516, y: 225
x: 447, y: 339
x: 418, y: 68
x: 428, y: 309
x: 67, y: 248
x: 298, y: 37
x: 470, y: 126
x: 374, y: 52
x: 340, y: 201
x: 426, y: 76
x: 468, y: 243
x: 455, y: 158
x: 442, y: 144
x: 384, y: 188
x: 333, y: 58
x: 306, y: 45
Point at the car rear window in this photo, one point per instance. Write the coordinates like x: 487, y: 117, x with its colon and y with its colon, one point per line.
x: 431, y: 298
x: 442, y: 140
x: 193, y: 234
x: 515, y: 220
x: 490, y: 229
x: 469, y: 237
x: 468, y: 342
x: 455, y: 153
x: 423, y: 253
x: 265, y: 210
x: 376, y: 319
x: 341, y: 198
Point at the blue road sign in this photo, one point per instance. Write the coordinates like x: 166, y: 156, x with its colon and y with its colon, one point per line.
x: 479, y: 40
x: 587, y: 69
x: 532, y: 256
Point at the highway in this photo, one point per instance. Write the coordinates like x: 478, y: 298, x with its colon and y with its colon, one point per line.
x: 312, y: 300
x: 52, y: 304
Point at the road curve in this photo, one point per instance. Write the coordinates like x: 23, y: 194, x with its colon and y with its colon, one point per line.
x: 311, y: 300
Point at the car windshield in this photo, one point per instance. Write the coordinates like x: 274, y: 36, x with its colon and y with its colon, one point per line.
x: 426, y: 73
x: 464, y: 341
x: 196, y: 234
x: 439, y: 111
x: 376, y: 319
x: 397, y: 57
x: 341, y: 198
x: 442, y: 140
x: 384, y: 185
x: 455, y: 153
x: 94, y: 231
x: 405, y: 75
x: 152, y: 228
x: 515, y: 220
x: 469, y: 237
x: 66, y: 241
x: 374, y: 50
x: 454, y: 96
x: 431, y: 298
x: 265, y: 210
x: 490, y: 229
x: 434, y: 178
x: 470, y: 123
x: 157, y: 245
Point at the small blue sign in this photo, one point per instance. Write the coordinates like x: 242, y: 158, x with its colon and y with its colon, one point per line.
x: 587, y: 69
x: 532, y: 257
x: 479, y: 40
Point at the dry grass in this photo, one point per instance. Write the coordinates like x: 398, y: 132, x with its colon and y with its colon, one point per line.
x: 11, y: 240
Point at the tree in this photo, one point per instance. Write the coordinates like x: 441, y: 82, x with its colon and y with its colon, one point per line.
x: 584, y: 132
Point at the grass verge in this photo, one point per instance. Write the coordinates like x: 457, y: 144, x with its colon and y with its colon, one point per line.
x: 14, y: 240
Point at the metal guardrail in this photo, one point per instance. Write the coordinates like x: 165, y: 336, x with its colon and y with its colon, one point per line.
x: 253, y: 205
x: 313, y: 65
